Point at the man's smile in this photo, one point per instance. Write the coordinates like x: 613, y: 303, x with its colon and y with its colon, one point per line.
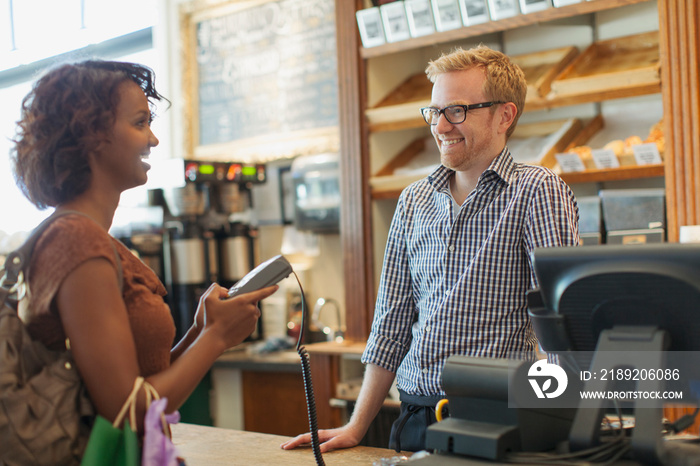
x: 450, y: 142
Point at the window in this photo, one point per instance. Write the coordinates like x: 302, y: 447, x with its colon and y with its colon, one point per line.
x: 65, y: 25
x: 84, y: 28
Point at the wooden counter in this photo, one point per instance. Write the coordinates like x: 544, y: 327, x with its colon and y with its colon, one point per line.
x: 211, y: 446
x: 260, y: 392
x: 278, y: 361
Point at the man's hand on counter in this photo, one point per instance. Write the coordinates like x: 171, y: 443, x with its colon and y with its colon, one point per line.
x: 330, y: 439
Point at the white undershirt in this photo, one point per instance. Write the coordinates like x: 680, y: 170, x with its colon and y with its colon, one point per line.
x: 455, y: 207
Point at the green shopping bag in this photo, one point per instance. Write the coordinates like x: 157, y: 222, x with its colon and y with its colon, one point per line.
x: 110, y: 445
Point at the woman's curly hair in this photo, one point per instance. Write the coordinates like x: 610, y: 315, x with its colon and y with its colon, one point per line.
x: 66, y: 115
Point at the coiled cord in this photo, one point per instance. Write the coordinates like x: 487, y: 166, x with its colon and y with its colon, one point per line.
x: 308, y: 385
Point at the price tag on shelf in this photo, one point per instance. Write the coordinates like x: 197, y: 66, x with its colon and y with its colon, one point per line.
x: 605, y: 158
x: 570, y: 162
x: 646, y: 154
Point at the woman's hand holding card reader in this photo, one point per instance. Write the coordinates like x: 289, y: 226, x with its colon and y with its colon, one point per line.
x: 266, y: 274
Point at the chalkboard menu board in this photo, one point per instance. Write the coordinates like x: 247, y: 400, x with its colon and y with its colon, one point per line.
x: 265, y: 71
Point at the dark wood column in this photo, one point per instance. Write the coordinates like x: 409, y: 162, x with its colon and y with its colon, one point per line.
x: 355, y: 221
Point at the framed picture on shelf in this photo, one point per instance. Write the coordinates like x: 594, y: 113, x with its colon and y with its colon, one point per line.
x: 474, y: 12
x: 395, y: 21
x: 420, y: 17
x: 447, y: 15
x: 558, y: 3
x: 369, y: 22
x: 501, y: 9
x: 530, y: 6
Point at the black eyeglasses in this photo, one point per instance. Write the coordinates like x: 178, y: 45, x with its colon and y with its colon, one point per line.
x: 455, y: 114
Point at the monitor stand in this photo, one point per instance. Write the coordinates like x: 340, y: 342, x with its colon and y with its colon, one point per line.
x: 628, y: 347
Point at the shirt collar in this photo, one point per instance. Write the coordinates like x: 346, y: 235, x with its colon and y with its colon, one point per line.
x: 502, y: 167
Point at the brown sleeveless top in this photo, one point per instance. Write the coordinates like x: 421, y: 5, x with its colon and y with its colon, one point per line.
x: 68, y: 242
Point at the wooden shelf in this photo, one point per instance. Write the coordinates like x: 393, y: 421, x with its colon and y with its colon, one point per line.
x: 619, y: 63
x: 614, y: 174
x: 386, y: 124
x: 550, y: 14
x: 589, y: 176
x: 613, y: 69
x: 599, y: 96
x: 399, y: 110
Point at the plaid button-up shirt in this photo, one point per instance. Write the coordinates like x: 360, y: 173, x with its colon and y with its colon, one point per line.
x: 457, y: 284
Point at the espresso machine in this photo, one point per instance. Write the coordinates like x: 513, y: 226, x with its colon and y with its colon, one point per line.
x: 209, y: 236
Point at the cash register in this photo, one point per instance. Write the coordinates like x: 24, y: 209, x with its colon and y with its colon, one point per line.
x: 599, y: 312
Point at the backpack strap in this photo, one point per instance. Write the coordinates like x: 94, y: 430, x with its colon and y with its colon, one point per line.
x: 17, y: 262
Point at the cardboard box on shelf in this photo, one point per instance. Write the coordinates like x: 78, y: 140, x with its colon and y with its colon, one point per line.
x: 420, y: 17
x: 558, y: 3
x: 395, y: 21
x: 474, y: 12
x: 369, y: 23
x: 447, y: 15
x: 501, y: 9
x: 531, y: 6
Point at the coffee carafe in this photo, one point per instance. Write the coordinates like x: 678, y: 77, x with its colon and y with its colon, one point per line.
x: 236, y: 252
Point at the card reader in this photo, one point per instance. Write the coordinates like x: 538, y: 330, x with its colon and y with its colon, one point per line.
x: 266, y: 274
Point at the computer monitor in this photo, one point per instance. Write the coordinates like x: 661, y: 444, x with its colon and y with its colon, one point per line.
x: 633, y: 303
x: 585, y: 290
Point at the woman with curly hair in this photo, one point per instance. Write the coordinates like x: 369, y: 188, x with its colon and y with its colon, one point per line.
x: 82, y: 140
